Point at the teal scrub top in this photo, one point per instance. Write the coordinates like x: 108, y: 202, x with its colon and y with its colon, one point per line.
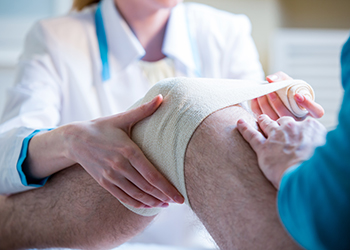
x: 314, y: 198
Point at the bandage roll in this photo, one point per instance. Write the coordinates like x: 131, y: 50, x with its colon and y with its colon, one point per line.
x: 163, y: 137
x: 287, y: 96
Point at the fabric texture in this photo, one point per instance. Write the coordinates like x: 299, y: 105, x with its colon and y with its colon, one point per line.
x: 287, y: 96
x: 59, y: 72
x: 163, y: 137
x: 159, y: 70
x: 59, y: 78
x: 314, y: 198
x: 23, y: 156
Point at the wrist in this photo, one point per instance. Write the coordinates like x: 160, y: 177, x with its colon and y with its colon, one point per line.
x: 68, y: 137
x: 50, y: 152
x: 277, y: 177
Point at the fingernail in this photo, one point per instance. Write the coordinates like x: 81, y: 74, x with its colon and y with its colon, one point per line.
x: 299, y: 97
x: 262, y: 116
x: 273, y: 96
x: 168, y: 201
x: 165, y: 205
x: 179, y: 199
x: 241, y: 121
x: 155, y: 98
x: 273, y: 77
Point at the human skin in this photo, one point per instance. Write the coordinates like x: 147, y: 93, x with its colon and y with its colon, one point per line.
x: 272, y: 105
x: 104, y: 149
x: 123, y: 170
x: 225, y: 187
x: 293, y: 142
x: 148, y: 20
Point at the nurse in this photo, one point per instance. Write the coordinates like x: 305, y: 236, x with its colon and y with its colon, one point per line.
x: 96, y: 62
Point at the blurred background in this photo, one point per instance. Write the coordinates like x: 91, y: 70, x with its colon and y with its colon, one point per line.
x: 300, y: 37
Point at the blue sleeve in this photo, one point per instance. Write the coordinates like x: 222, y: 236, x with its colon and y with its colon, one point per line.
x: 314, y: 198
x: 23, y: 156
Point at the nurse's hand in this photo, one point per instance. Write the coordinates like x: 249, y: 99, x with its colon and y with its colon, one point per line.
x: 272, y: 105
x: 104, y: 149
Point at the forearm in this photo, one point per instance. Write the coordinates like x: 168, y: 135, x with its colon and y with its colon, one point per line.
x: 47, y: 153
x: 313, y: 200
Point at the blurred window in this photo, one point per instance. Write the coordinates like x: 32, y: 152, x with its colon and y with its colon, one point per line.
x: 16, y: 19
x: 25, y: 8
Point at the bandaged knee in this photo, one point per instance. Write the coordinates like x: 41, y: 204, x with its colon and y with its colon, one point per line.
x: 164, y: 136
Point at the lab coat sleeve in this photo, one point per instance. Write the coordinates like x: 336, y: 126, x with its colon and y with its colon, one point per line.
x: 32, y: 103
x: 314, y: 198
x: 13, y: 180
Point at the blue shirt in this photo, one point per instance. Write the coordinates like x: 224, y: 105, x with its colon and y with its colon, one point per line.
x: 314, y: 198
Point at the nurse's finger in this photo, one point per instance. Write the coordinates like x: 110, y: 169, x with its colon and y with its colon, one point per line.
x: 254, y: 105
x: 267, y: 125
x: 278, y: 105
x: 278, y: 76
x: 250, y: 134
x: 123, y: 197
x: 139, y: 161
x: 315, y: 109
x: 128, y: 119
x: 266, y: 108
x: 134, y: 192
x: 129, y: 172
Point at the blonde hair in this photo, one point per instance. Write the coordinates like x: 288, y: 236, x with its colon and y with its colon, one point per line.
x: 81, y: 4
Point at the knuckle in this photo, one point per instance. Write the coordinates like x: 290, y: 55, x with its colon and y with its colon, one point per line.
x: 310, y: 121
x: 128, y: 151
x: 137, y: 205
x: 153, y: 177
x: 128, y: 200
x: 256, y: 141
x: 155, y: 203
x: 144, y: 107
x: 139, y: 195
x: 124, y: 200
x: 245, y: 129
x: 148, y: 189
x: 118, y: 166
x: 264, y: 123
x: 289, y: 125
x: 106, y: 173
x: 103, y: 182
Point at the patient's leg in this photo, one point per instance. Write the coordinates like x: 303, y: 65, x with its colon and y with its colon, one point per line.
x: 71, y: 211
x: 226, y: 189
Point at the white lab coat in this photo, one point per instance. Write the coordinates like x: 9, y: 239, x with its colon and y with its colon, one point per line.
x: 59, y: 73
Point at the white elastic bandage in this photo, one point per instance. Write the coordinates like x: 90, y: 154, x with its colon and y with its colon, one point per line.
x: 164, y: 136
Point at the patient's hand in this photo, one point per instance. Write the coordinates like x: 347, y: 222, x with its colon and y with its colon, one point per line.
x: 272, y: 105
x: 287, y: 143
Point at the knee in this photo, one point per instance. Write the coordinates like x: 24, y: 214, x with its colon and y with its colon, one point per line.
x: 216, y: 143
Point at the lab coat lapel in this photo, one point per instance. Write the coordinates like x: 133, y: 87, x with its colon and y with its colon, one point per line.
x: 124, y: 50
x: 177, y: 42
x: 123, y: 45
